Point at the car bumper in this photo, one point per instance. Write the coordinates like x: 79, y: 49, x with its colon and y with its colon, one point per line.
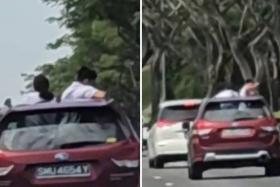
x: 173, y: 158
x: 211, y: 156
x: 253, y: 153
x: 171, y: 147
x: 125, y: 178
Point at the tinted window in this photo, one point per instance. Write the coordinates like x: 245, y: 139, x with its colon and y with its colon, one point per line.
x: 235, y: 110
x: 179, y: 113
x: 56, y: 129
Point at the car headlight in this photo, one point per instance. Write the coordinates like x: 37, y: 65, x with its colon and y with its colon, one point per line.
x: 270, y: 128
x: 5, y: 170
x: 126, y: 163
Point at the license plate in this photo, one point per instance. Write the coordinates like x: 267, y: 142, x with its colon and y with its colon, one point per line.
x: 63, y: 171
x: 229, y: 133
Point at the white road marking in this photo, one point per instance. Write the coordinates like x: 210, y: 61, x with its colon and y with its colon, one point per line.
x: 157, y: 177
x: 169, y: 184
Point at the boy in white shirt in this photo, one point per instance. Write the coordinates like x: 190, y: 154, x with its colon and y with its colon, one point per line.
x: 83, y: 88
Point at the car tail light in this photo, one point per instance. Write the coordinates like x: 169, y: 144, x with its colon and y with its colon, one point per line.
x: 270, y: 128
x: 5, y: 170
x: 191, y: 104
x: 165, y: 123
x: 202, y: 132
x: 126, y: 163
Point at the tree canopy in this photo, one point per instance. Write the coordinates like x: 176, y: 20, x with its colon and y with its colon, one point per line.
x: 201, y: 43
x: 103, y: 35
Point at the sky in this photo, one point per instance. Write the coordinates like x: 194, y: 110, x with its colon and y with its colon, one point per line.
x: 24, y: 34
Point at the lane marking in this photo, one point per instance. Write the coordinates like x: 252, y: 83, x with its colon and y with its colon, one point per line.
x: 169, y: 184
x: 157, y: 177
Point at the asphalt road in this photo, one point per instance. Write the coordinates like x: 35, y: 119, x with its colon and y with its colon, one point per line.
x: 176, y: 175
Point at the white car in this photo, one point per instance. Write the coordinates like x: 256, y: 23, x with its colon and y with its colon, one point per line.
x: 145, y: 135
x: 167, y: 139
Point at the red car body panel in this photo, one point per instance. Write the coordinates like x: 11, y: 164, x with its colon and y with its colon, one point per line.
x: 101, y: 158
x: 104, y: 171
x: 213, y: 141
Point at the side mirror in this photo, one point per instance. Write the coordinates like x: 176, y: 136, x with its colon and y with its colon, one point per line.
x: 186, y: 125
x: 146, y: 126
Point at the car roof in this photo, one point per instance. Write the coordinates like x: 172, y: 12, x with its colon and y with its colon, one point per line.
x: 62, y: 105
x: 213, y: 100
x: 254, y: 98
x: 171, y: 103
x: 4, y: 110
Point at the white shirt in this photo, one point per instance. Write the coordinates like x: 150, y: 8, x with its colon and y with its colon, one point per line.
x: 226, y: 93
x: 243, y: 91
x: 31, y: 98
x: 248, y: 90
x: 78, y: 90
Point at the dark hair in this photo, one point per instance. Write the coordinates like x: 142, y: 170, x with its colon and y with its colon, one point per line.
x: 41, y: 84
x: 249, y: 81
x: 86, y: 73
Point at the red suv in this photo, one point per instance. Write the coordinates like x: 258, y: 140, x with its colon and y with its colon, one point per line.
x: 234, y: 132
x: 79, y: 143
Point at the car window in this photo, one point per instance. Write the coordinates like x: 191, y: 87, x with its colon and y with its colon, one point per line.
x: 235, y: 110
x: 56, y: 129
x: 179, y: 113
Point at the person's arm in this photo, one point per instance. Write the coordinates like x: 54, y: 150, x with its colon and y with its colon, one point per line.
x: 99, y: 95
x: 243, y: 91
x: 253, y: 89
x: 93, y: 93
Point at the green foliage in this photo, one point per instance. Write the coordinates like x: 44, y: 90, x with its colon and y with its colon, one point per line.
x: 207, y: 42
x: 103, y: 36
x: 277, y: 114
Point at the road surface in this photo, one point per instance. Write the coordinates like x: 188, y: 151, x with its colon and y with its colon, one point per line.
x: 176, y: 175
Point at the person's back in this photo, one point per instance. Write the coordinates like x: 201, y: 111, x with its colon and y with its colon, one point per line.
x: 226, y: 90
x: 82, y: 88
x: 31, y: 98
x: 226, y: 93
x: 41, y: 92
x: 78, y: 90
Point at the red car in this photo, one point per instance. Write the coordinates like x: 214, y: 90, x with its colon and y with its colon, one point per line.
x: 80, y: 144
x: 234, y: 132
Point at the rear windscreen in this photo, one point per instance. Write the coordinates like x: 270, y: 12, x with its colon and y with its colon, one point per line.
x: 235, y: 110
x: 56, y: 129
x: 179, y: 113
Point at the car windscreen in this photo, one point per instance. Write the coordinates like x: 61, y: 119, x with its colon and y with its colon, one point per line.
x: 58, y: 129
x: 179, y: 113
x: 235, y: 110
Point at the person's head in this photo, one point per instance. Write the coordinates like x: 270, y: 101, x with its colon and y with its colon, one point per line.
x: 251, y: 87
x: 249, y: 81
x: 86, y: 75
x: 41, y: 84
